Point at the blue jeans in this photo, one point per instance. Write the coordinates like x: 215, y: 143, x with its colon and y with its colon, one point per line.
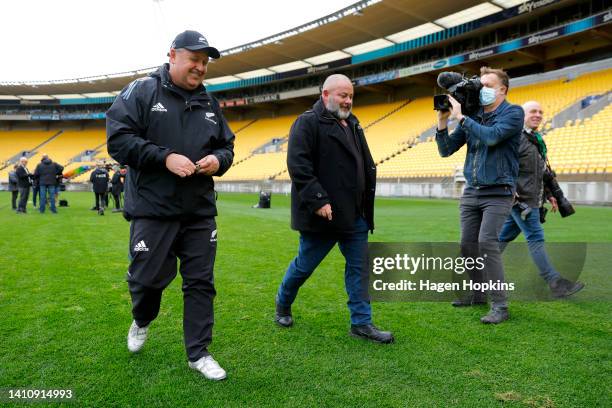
x: 44, y: 189
x: 534, y: 234
x: 313, y: 248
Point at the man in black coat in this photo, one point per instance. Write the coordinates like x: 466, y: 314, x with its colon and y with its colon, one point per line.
x: 99, y: 180
x: 117, y: 187
x: 24, y: 181
x: 333, y: 182
x: 46, y: 173
x: 174, y: 138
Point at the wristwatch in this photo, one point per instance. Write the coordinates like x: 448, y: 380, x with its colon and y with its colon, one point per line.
x: 462, y: 121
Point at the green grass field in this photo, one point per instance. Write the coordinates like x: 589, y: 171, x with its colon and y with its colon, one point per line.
x: 65, y: 312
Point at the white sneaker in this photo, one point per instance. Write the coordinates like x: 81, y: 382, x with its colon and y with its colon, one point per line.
x: 209, y: 368
x: 136, y: 337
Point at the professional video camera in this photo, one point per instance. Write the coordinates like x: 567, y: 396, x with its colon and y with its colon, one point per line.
x: 565, y: 207
x: 465, y: 91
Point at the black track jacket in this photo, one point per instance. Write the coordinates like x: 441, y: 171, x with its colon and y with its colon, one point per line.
x: 150, y: 119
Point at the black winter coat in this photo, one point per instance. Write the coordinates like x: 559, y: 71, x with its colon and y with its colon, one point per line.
x: 99, y: 179
x: 47, y: 172
x: 530, y: 183
x: 24, y: 178
x: 117, y: 183
x: 151, y: 119
x: 323, y: 171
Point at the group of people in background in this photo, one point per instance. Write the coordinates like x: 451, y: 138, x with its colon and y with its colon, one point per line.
x: 45, y: 183
x: 46, y: 180
x: 102, y: 184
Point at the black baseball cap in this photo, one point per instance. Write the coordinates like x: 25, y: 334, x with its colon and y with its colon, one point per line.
x: 194, y: 41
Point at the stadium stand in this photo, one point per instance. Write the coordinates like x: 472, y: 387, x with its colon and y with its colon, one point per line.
x: 394, y: 134
x: 396, y: 148
x: 557, y: 95
x: 584, y: 147
x: 102, y: 154
x: 392, y: 130
x: 423, y: 160
x: 388, y: 135
x: 18, y: 141
x: 386, y: 128
x: 14, y: 143
x: 238, y: 126
x: 258, y: 167
x: 70, y: 143
x: 258, y: 134
x: 371, y: 117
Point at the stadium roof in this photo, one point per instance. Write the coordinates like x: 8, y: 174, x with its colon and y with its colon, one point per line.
x: 373, y: 23
x: 362, y: 27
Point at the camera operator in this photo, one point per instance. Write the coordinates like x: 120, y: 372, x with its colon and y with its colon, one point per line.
x: 525, y: 215
x: 492, y: 136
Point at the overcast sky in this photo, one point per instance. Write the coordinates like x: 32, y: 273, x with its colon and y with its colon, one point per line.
x: 62, y: 39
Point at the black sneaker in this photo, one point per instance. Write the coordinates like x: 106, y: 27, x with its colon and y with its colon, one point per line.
x: 283, y: 315
x: 101, y: 211
x: 561, y: 287
x: 496, y: 315
x: 371, y: 333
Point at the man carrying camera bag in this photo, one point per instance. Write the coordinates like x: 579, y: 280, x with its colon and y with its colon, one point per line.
x: 492, y: 136
x: 530, y: 191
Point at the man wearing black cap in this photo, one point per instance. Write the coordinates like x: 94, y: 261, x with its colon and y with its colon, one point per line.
x: 174, y: 138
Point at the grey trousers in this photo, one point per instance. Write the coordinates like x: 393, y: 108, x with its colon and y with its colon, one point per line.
x: 24, y: 193
x: 482, y: 218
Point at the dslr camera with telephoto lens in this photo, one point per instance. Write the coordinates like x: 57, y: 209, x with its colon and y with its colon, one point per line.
x: 550, y: 182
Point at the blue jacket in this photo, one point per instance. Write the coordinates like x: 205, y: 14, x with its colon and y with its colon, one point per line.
x: 492, y: 145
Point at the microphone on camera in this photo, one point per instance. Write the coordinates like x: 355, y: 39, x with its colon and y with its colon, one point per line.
x: 447, y: 80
